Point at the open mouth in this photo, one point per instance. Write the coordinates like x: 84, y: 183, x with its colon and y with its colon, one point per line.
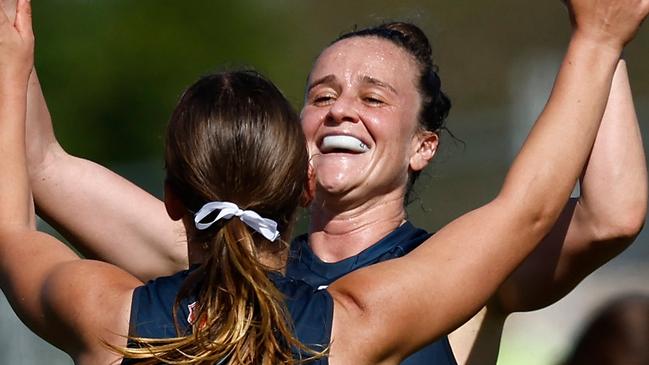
x: 343, y: 144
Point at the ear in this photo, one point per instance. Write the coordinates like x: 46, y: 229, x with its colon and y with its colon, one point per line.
x: 425, y: 145
x: 174, y: 206
x: 309, y: 190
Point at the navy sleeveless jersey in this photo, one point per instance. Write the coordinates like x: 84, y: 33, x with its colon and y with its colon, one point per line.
x: 152, y: 317
x: 305, y: 265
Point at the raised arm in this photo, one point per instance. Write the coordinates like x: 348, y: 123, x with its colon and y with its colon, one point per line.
x: 591, y: 229
x: 117, y: 222
x: 72, y: 303
x: 104, y: 215
x: 456, y: 271
x: 598, y: 225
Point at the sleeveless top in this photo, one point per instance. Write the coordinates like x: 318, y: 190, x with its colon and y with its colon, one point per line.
x: 310, y: 307
x: 305, y: 265
x: 151, y: 311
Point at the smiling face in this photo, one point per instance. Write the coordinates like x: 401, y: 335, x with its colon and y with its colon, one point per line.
x: 360, y: 120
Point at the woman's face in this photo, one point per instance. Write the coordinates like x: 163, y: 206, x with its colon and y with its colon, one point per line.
x: 360, y: 119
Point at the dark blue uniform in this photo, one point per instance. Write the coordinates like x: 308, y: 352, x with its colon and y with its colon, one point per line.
x: 310, y: 308
x: 305, y: 265
x: 152, y: 317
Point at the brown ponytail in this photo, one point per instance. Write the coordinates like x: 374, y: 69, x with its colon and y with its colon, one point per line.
x: 233, y: 137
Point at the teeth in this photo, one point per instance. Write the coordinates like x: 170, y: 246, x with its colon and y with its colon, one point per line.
x: 330, y: 143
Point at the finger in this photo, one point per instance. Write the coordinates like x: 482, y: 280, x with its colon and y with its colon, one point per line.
x: 24, y: 18
x: 9, y: 7
x: 3, y: 17
x: 645, y: 7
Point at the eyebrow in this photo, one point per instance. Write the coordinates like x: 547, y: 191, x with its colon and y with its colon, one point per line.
x: 364, y: 79
x: 322, y: 80
x: 372, y: 81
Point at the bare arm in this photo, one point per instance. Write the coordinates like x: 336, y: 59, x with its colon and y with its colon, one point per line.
x: 102, y: 214
x: 590, y: 230
x: 70, y: 302
x: 601, y: 223
x: 105, y: 216
x: 456, y: 271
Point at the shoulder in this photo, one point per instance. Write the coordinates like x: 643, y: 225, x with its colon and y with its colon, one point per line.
x: 90, y: 302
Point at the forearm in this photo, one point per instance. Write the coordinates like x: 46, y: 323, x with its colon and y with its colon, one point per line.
x: 16, y: 207
x: 41, y: 140
x: 614, y: 184
x: 17, y: 42
x: 600, y: 223
x: 104, y: 215
x: 109, y: 218
x: 560, y: 141
x: 14, y: 191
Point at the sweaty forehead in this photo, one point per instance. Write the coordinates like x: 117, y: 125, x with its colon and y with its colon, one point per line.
x: 361, y: 57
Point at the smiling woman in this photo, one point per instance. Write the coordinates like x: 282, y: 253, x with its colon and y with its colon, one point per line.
x: 380, y: 86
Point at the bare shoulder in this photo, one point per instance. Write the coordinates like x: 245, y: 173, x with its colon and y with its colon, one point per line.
x: 91, y: 302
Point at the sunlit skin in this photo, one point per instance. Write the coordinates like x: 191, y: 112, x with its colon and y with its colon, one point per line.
x: 359, y: 200
x: 367, y: 88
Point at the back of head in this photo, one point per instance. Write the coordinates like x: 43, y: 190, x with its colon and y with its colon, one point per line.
x: 618, y: 335
x: 234, y: 138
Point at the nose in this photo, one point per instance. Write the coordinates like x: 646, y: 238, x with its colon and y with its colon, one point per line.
x: 344, y: 109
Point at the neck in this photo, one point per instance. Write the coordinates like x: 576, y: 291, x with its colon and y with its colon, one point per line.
x: 197, y: 253
x: 337, y: 234
x: 275, y: 261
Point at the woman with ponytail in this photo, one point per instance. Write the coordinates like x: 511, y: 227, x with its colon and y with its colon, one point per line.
x: 236, y: 165
x: 237, y: 195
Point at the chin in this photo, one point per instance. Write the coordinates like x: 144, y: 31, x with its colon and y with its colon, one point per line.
x: 333, y: 188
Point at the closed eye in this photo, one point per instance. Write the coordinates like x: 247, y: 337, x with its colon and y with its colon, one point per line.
x: 373, y: 101
x: 323, y: 100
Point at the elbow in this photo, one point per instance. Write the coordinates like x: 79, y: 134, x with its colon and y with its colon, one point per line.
x: 622, y: 226
x: 630, y: 229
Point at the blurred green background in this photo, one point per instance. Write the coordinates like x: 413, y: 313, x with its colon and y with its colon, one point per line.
x: 113, y: 70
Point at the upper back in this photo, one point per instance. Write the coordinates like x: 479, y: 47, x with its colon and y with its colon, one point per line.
x: 311, y: 311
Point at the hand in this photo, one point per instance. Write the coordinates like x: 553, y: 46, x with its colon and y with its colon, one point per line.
x: 17, y: 42
x: 612, y: 22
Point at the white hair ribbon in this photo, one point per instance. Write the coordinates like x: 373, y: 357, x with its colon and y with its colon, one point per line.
x: 266, y: 227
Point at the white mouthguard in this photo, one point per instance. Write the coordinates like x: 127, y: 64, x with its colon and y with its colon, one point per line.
x: 342, y: 142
